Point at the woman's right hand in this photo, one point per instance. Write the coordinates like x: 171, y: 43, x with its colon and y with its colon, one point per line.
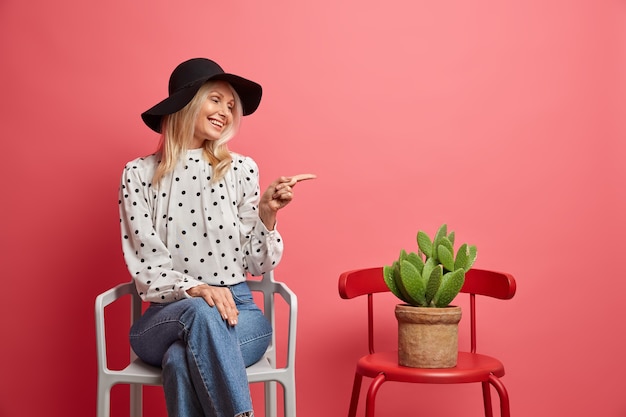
x: 220, y: 298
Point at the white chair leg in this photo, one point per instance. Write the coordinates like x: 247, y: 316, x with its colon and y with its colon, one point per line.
x: 270, y: 399
x: 136, y: 405
x: 104, y: 401
x: 290, y: 401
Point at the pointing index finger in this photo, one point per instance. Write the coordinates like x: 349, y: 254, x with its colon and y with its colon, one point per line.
x: 303, y: 177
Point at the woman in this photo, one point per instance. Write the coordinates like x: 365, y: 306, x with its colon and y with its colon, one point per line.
x: 193, y: 225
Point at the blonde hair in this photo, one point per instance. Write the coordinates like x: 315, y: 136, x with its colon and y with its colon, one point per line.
x: 178, y: 133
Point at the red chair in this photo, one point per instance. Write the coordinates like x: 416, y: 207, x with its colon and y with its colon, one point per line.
x: 471, y: 366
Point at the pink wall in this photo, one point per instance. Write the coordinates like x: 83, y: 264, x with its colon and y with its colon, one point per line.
x: 503, y: 119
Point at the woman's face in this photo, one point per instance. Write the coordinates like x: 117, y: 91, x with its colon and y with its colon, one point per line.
x: 215, y: 114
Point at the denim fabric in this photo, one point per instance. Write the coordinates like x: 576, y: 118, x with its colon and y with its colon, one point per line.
x: 203, y: 358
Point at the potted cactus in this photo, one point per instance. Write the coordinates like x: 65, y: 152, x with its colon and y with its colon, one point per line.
x: 427, y: 282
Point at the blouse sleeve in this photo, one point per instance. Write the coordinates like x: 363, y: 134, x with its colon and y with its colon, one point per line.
x: 262, y: 248
x: 147, y: 258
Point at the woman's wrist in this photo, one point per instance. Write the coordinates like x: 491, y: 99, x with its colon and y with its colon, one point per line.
x: 268, y: 217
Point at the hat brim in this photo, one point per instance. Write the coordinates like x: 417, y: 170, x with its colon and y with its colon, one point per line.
x: 248, y: 91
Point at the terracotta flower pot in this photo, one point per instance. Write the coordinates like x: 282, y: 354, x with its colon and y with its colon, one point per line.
x: 428, y: 337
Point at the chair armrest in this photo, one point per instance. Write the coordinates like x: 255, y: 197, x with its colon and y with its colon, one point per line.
x: 113, y: 294
x: 269, y: 287
x: 292, y: 300
x: 103, y: 300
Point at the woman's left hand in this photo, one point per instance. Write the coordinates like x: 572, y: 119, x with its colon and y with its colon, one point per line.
x: 278, y: 195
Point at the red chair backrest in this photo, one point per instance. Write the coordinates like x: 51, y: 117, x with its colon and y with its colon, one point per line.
x: 370, y: 281
x: 489, y: 283
x: 360, y: 282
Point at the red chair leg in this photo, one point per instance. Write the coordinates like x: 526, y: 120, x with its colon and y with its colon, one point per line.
x: 487, y: 399
x: 505, y: 410
x: 371, y: 394
x: 356, y: 390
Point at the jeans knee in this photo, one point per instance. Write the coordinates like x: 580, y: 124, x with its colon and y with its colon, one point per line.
x: 200, y: 313
x: 174, y: 357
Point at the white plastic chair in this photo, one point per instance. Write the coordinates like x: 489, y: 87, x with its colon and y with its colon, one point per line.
x: 138, y: 373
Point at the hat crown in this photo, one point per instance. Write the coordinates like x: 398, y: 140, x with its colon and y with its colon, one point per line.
x: 191, y: 71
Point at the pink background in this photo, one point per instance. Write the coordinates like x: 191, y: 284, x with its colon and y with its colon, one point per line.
x: 504, y: 119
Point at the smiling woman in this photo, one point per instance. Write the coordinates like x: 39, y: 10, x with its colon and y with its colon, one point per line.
x: 194, y: 224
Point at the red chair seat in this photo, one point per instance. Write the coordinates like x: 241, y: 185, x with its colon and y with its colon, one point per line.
x: 471, y: 367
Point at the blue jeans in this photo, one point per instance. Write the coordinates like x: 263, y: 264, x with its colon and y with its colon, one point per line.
x: 203, y: 358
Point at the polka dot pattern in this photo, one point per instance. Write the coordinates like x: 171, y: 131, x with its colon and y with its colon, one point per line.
x: 188, y: 230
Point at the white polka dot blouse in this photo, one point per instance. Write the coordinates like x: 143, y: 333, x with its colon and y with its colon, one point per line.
x: 189, y: 230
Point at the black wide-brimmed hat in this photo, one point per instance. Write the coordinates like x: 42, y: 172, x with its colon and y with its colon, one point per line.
x: 186, y: 80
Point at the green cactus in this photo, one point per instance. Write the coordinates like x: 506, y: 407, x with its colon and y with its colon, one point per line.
x: 434, y: 275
